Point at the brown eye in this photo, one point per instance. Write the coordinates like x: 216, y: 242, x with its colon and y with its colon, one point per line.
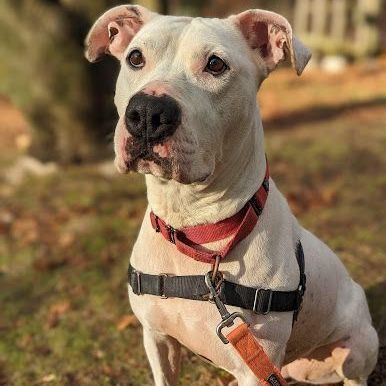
x: 136, y: 59
x: 215, y: 66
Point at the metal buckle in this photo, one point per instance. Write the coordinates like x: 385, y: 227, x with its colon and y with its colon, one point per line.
x: 164, y: 276
x: 301, y: 289
x: 265, y: 312
x: 299, y: 297
x: 299, y: 302
x: 303, y: 282
x: 138, y: 275
x: 228, y: 322
x: 157, y: 227
x: 256, y: 206
x: 266, y: 184
x: 171, y: 232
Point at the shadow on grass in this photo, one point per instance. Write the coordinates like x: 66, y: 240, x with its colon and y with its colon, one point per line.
x: 378, y: 376
x: 376, y: 296
x: 315, y: 114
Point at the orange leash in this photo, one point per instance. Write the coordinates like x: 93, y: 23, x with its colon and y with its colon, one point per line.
x: 243, y: 340
x: 254, y: 356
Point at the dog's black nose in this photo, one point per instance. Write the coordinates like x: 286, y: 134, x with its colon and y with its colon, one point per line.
x: 153, y: 117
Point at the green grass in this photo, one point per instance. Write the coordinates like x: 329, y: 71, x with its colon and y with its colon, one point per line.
x: 65, y: 242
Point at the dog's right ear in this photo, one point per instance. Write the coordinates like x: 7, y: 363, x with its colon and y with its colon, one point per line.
x: 113, y: 31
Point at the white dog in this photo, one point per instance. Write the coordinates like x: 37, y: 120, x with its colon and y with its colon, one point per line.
x: 188, y: 119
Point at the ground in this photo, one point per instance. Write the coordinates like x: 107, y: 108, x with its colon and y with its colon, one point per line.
x: 65, y: 237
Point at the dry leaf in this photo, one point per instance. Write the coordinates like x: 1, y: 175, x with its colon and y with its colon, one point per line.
x: 99, y: 354
x: 66, y: 239
x: 55, y: 312
x: 49, y: 378
x: 107, y: 370
x: 127, y: 321
x: 43, y: 264
x: 25, y: 230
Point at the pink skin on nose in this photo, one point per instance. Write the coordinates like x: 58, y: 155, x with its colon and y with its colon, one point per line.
x: 163, y: 150
x: 157, y: 89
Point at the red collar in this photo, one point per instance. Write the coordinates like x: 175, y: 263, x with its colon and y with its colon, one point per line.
x: 188, y: 240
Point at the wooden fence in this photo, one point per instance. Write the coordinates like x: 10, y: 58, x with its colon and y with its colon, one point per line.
x: 348, y: 27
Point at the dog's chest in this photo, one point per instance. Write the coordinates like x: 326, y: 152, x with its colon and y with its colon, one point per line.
x: 255, y: 262
x: 194, y: 322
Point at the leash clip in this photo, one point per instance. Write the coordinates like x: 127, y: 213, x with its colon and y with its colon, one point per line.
x: 227, y: 318
x: 228, y: 322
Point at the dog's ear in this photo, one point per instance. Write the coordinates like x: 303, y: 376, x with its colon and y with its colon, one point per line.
x: 271, y: 35
x: 113, y: 31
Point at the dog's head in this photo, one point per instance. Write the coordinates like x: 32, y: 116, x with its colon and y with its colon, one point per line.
x: 187, y: 86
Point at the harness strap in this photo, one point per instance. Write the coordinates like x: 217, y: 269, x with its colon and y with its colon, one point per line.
x: 193, y: 287
x: 252, y: 353
x: 302, y: 278
x: 188, y: 240
x: 254, y: 356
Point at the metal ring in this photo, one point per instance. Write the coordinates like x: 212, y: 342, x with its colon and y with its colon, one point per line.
x: 164, y: 275
x: 217, y: 282
x: 138, y: 274
x: 215, y: 267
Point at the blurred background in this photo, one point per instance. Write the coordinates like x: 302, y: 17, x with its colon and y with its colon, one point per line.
x: 68, y: 220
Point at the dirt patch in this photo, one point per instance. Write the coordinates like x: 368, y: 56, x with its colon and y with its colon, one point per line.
x: 316, y: 95
x: 14, y: 131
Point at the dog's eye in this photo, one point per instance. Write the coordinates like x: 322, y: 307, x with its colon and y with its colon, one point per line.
x: 215, y: 65
x: 136, y: 59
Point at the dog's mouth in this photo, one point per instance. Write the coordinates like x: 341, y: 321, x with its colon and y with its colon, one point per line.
x: 166, y: 159
x: 142, y: 155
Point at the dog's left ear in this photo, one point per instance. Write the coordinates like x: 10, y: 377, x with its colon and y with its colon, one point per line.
x: 271, y: 35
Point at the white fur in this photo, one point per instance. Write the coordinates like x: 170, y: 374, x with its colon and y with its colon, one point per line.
x: 218, y: 164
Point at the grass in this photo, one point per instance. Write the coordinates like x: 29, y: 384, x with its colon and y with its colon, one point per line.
x: 65, y: 240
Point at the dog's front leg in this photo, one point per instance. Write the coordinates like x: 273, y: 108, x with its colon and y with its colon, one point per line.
x: 164, y: 354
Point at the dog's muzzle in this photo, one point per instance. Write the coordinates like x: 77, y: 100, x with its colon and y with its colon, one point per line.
x: 151, y: 118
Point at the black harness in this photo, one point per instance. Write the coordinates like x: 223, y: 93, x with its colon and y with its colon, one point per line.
x: 259, y: 300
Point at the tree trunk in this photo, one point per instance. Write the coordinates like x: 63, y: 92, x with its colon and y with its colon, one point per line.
x: 68, y: 102
x: 164, y: 7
